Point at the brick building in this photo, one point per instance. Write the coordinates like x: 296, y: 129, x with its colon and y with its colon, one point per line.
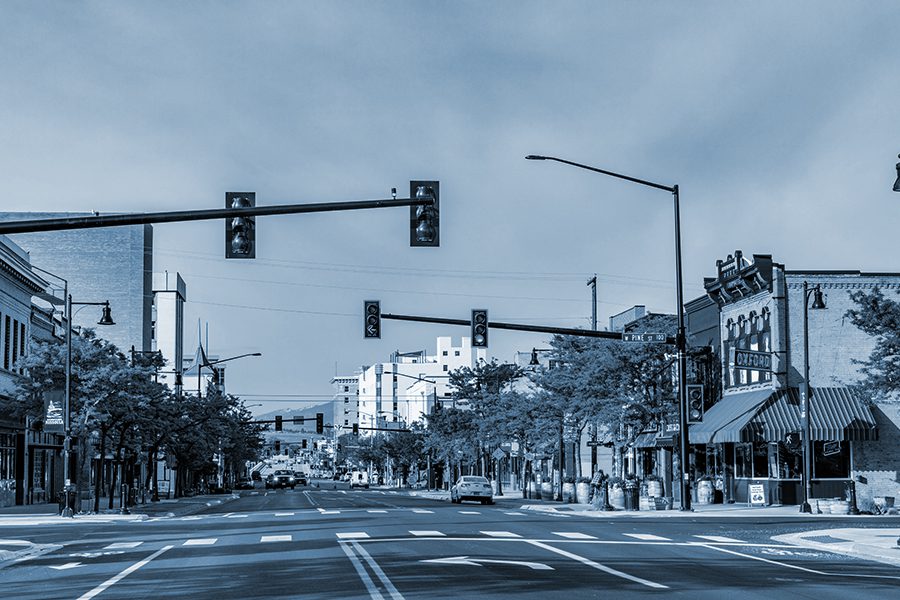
x: 750, y: 430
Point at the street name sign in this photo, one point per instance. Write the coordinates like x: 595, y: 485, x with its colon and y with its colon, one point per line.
x: 594, y: 443
x: 644, y: 337
x: 753, y: 360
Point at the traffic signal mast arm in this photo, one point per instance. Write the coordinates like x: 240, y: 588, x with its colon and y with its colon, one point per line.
x: 327, y: 426
x: 91, y: 222
x: 609, y: 335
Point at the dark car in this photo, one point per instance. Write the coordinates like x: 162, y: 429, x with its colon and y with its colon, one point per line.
x: 280, y: 479
x: 300, y: 478
x: 244, y: 483
x: 255, y: 476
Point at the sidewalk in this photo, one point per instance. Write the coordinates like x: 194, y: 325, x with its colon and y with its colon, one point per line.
x: 34, y: 514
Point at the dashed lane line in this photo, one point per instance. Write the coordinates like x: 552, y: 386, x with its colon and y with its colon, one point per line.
x: 201, y: 542
x: 422, y: 511
x: 284, y: 514
x: 574, y: 535
x: 514, y: 514
x: 121, y: 545
x: 373, y: 510
x: 648, y: 537
x: 469, y: 512
x: 720, y: 538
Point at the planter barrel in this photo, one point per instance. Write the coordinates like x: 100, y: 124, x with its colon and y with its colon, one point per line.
x: 568, y: 492
x: 617, y: 497
x: 704, y: 492
x: 583, y: 493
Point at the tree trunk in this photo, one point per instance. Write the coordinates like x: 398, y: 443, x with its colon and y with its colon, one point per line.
x: 98, y: 480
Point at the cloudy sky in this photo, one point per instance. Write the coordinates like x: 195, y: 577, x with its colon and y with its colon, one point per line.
x: 779, y: 121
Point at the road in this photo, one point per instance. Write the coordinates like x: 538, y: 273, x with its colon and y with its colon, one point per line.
x: 371, y: 544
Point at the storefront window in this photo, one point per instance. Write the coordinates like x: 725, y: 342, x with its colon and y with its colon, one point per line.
x: 833, y: 465
x: 760, y: 459
x: 743, y: 464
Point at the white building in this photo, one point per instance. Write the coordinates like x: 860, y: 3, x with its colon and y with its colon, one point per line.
x: 346, y: 401
x: 399, y: 392
x: 169, y: 296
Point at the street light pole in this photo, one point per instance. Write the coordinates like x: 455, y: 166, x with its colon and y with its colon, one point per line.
x: 681, y: 338
x: 806, y: 415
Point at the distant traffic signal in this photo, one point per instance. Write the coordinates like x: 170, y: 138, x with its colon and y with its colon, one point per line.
x: 277, y: 446
x: 356, y: 429
x: 320, y: 422
x: 240, y: 232
x: 694, y: 403
x: 372, y: 319
x: 277, y: 422
x: 304, y: 443
x: 424, y: 221
x: 479, y: 333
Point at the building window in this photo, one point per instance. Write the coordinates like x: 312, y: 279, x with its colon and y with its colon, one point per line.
x: 832, y: 466
x: 445, y: 353
x: 346, y: 421
x: 748, y: 333
x: 346, y: 388
x: 15, y: 342
x: 6, y: 343
x: 446, y: 368
x: 456, y: 353
x: 346, y: 400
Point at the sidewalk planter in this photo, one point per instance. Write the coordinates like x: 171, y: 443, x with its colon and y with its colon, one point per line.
x: 616, y: 495
x: 704, y: 491
x: 840, y: 507
x: 632, y: 491
x: 568, y: 492
x: 534, y: 490
x: 654, y: 488
x: 547, y: 490
x: 583, y: 491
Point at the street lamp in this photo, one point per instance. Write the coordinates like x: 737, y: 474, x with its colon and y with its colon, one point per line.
x: 680, y: 339
x: 207, y: 363
x: 897, y: 182
x: 805, y: 415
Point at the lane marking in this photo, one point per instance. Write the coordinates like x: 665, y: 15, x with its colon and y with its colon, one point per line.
x: 469, y: 512
x: 477, y: 562
x: 310, y: 499
x: 798, y: 567
x: 201, y: 542
x: 352, y: 535
x: 237, y: 516
x: 120, y: 545
x: 422, y: 511
x: 125, y: 573
x: 284, y: 514
x: 501, y: 534
x: 373, y: 510
x: 719, y: 538
x: 648, y: 537
x: 226, y: 515
x: 70, y: 565
x: 599, y: 567
x: 574, y: 535
x: 515, y: 514
x: 361, y: 571
x: 275, y: 538
x: 427, y: 533
x: 377, y: 570
x: 191, y: 518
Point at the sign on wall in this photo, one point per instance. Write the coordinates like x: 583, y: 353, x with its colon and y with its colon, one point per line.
x: 752, y: 359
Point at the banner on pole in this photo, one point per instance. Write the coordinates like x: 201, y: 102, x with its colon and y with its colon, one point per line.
x: 54, y: 418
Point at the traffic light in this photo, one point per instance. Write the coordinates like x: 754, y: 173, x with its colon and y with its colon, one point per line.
x: 479, y: 328
x: 694, y: 403
x: 356, y: 429
x: 424, y: 221
x: 315, y: 445
x: 320, y: 422
x: 277, y: 422
x: 304, y: 443
x: 372, y: 317
x: 277, y: 446
x: 240, y: 232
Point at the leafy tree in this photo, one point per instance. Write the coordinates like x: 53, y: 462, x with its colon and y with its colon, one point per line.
x: 879, y: 316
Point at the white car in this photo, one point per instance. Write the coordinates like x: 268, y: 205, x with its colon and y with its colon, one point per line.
x: 472, y: 487
x: 359, y: 479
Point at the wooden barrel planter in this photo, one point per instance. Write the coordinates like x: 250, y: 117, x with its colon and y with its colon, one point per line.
x: 704, y: 491
x: 617, y: 497
x: 582, y: 492
x: 654, y: 488
x: 547, y: 490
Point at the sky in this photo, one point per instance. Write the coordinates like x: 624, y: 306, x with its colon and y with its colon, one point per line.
x: 778, y: 121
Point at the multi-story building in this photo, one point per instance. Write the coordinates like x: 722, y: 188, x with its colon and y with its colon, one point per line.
x: 169, y: 296
x: 346, y: 401
x: 391, y: 394
x: 107, y: 263
x: 750, y: 435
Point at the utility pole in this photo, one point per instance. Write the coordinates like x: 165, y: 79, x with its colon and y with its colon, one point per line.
x: 593, y: 283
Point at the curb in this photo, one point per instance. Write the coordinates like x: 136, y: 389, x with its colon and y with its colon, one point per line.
x: 849, y: 548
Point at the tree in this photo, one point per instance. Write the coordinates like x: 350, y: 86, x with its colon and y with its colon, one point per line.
x: 879, y: 316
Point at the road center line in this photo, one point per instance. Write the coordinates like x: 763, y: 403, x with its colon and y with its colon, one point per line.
x: 377, y: 570
x: 125, y: 573
x: 598, y: 566
x: 361, y: 571
x: 310, y: 499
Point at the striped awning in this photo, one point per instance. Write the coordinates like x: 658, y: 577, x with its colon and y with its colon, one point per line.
x: 837, y: 413
x: 645, y: 439
x: 728, y: 417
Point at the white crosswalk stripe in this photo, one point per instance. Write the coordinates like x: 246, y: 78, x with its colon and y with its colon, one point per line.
x: 648, y: 537
x: 201, y: 542
x: 422, y: 511
x: 275, y: 538
x: 237, y: 516
x: 719, y: 538
x: 373, y: 510
x: 426, y: 533
x: 352, y: 535
x: 469, y: 512
x: 574, y: 535
x: 501, y: 534
x: 122, y: 545
x: 284, y: 514
x: 514, y: 514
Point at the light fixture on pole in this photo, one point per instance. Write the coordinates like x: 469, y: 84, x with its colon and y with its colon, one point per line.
x: 681, y: 338
x: 210, y: 364
x: 806, y: 413
x: 897, y: 182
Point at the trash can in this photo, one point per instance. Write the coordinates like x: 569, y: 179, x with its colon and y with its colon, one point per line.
x: 632, y: 495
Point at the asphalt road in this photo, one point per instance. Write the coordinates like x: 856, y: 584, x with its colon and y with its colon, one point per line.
x: 372, y: 544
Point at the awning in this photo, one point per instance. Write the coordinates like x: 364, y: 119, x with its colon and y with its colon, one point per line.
x: 727, y: 417
x: 836, y: 412
x: 645, y: 439
x: 767, y: 415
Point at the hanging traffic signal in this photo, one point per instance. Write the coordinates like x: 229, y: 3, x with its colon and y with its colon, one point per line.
x: 372, y: 317
x: 320, y: 422
x: 424, y: 221
x: 356, y: 429
x: 304, y: 443
x: 694, y: 403
x: 277, y: 446
x: 240, y: 232
x: 479, y: 328
x: 278, y: 423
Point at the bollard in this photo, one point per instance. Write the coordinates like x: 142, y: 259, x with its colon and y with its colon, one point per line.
x: 854, y: 510
x: 124, y: 500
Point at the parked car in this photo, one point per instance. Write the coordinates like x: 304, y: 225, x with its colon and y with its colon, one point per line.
x: 472, y: 487
x: 245, y: 483
x: 359, y: 479
x: 280, y: 479
x: 255, y: 476
x: 300, y: 478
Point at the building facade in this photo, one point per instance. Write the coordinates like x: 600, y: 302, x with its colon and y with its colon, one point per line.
x: 751, y: 431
